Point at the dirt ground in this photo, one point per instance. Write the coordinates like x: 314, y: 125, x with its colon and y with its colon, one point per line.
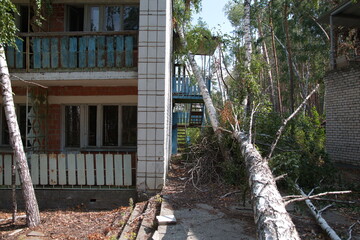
x: 69, y: 224
x: 79, y: 223
x: 182, y: 194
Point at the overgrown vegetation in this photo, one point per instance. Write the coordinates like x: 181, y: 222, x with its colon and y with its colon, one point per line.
x: 300, y: 154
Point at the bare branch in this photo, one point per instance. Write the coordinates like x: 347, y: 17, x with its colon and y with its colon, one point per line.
x: 251, y: 121
x: 230, y: 193
x: 325, y: 208
x: 306, y: 197
x: 319, y: 219
x: 350, y: 229
x: 282, y: 128
x: 29, y: 82
x: 280, y: 177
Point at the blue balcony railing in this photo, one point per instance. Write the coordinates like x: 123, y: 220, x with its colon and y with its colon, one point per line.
x: 53, y: 51
x: 184, y: 87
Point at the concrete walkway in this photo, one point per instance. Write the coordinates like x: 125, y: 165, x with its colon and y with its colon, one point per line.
x: 202, y: 222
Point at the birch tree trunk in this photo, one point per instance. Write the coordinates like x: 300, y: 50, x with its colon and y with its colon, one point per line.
x: 279, y: 98
x: 206, y: 96
x: 267, y: 60
x: 248, y: 51
x: 271, y: 218
x: 31, y: 206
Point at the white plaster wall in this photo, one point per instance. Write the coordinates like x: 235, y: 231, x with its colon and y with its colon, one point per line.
x: 154, y: 95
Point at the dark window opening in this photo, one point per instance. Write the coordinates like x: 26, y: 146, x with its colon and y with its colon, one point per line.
x: 75, y: 18
x: 131, y: 18
x: 110, y: 125
x: 72, y: 126
x: 92, y: 125
x: 129, y: 119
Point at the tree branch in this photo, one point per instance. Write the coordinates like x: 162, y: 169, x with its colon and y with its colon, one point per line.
x: 299, y: 198
x: 282, y: 128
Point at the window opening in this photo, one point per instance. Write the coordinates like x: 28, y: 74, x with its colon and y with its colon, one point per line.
x: 92, y: 114
x: 110, y: 125
x: 72, y: 126
x: 75, y: 18
x: 129, y: 120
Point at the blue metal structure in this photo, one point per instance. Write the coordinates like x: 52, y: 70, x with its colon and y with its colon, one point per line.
x: 186, y: 92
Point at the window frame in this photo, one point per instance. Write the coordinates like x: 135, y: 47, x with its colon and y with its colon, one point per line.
x: 3, y: 118
x: 102, y: 7
x: 84, y: 127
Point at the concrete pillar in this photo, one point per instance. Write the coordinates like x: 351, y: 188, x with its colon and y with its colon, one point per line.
x: 154, y: 93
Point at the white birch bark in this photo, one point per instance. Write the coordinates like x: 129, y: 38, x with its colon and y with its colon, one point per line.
x: 31, y: 206
x: 202, y: 85
x: 271, y: 218
x: 319, y: 219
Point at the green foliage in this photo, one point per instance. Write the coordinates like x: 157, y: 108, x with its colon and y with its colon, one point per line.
x: 200, y: 40
x: 7, y: 22
x: 307, y: 162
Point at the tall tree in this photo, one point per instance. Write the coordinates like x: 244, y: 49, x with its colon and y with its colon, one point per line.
x: 271, y: 217
x: 289, y: 56
x: 7, y: 36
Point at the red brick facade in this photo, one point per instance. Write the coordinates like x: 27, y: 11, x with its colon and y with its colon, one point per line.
x: 54, y: 110
x: 57, y: 18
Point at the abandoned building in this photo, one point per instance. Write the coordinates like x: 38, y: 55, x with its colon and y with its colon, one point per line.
x: 92, y: 88
x: 342, y: 84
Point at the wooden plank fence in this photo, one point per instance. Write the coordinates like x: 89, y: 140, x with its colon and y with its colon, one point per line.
x: 85, y: 170
x: 79, y: 50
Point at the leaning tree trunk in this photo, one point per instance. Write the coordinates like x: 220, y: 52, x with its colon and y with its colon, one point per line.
x: 271, y: 218
x: 206, y: 96
x: 31, y: 206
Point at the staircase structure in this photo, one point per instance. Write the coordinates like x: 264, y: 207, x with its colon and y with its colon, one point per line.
x: 188, y: 108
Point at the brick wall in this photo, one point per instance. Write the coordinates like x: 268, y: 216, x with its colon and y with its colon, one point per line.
x: 342, y: 99
x: 57, y: 18
x: 54, y: 110
x: 54, y: 127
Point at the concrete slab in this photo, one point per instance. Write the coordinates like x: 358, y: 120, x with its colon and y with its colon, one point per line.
x: 202, y: 222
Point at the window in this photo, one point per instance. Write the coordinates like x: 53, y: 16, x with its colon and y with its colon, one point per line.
x: 72, y: 126
x: 75, y: 18
x: 100, y: 126
x: 22, y: 116
x: 113, y: 18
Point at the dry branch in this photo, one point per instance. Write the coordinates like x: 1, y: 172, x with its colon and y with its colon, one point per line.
x: 299, y: 198
x: 282, y: 128
x: 319, y: 219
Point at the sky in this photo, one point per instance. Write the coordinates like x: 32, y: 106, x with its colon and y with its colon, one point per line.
x: 213, y: 14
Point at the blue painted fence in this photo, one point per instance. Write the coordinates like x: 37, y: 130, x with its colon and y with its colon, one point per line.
x: 184, y: 87
x: 73, y: 52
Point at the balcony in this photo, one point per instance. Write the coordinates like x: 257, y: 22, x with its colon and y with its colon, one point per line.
x: 74, y: 51
x: 186, y: 90
x: 70, y: 170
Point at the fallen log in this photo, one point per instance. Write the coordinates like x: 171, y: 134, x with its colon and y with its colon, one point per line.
x: 317, y: 215
x: 271, y: 218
